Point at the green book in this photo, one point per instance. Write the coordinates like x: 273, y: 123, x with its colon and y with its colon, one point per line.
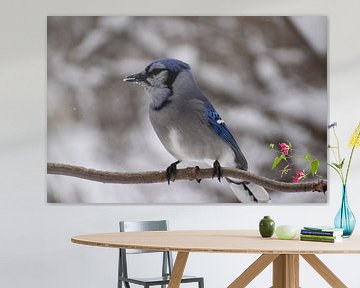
x: 319, y: 236
x: 326, y: 240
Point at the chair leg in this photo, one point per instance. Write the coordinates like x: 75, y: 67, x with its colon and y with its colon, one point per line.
x: 126, y: 284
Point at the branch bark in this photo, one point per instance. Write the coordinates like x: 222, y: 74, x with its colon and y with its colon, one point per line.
x: 189, y: 173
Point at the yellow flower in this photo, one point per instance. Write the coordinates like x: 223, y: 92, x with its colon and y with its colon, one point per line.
x: 355, y: 137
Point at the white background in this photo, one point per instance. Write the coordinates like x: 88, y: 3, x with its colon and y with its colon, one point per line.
x: 35, y: 248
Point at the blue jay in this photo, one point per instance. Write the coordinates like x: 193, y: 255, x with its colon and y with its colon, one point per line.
x: 188, y: 125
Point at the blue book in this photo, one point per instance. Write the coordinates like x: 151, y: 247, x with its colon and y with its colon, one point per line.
x: 322, y: 231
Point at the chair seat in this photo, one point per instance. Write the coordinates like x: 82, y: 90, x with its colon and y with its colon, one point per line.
x: 158, y: 280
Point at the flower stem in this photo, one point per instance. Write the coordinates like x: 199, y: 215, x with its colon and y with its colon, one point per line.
x: 337, y: 171
x: 348, y: 167
x: 337, y: 143
x: 339, y: 160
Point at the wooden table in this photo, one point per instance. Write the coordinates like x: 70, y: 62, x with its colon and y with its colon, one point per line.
x: 284, y: 254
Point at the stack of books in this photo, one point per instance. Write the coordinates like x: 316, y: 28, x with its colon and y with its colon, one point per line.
x: 321, y: 234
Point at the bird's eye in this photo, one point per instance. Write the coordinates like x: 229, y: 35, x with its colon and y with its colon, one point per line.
x: 156, y: 71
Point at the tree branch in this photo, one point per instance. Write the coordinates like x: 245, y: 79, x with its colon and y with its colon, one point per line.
x: 190, y: 173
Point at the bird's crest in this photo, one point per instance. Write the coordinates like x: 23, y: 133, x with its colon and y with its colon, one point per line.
x: 170, y: 64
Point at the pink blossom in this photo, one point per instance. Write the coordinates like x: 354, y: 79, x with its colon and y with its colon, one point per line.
x: 300, y: 175
x: 284, y: 148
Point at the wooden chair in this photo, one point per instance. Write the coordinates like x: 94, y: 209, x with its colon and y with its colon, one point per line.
x: 167, y: 262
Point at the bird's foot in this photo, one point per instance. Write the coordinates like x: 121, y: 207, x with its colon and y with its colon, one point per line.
x: 217, y: 170
x: 197, y: 169
x: 171, y: 172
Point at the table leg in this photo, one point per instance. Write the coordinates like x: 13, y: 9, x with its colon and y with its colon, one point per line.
x: 253, y: 270
x: 324, y: 271
x: 178, y: 270
x: 286, y: 271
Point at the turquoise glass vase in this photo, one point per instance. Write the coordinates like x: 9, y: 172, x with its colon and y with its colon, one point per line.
x: 345, y: 219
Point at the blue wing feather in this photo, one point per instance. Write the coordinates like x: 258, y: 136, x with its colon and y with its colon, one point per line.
x: 219, y: 127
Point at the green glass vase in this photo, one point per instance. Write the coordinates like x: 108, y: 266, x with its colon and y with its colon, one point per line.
x: 266, y: 226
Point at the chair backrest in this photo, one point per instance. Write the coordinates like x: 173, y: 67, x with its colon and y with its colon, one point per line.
x: 134, y: 226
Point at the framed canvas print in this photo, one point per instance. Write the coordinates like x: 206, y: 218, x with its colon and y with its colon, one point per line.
x: 242, y: 101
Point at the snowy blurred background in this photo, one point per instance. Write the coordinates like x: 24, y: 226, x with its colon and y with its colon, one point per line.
x: 267, y: 77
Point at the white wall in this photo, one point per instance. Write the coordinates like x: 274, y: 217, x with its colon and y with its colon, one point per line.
x: 35, y: 248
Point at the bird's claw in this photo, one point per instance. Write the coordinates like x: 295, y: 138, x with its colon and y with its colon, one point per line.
x: 217, y: 170
x: 171, y: 172
x: 197, y: 169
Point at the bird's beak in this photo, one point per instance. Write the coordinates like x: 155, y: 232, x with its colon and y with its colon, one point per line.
x: 137, y: 78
